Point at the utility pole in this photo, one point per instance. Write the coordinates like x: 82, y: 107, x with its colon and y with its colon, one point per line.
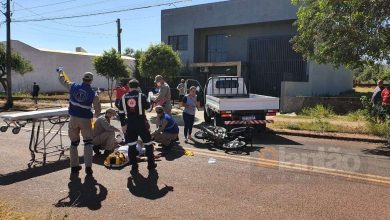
x: 9, y: 103
x: 119, y: 31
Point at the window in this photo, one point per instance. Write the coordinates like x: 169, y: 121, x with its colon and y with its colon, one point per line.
x: 223, y: 84
x: 179, y: 42
x: 216, y: 48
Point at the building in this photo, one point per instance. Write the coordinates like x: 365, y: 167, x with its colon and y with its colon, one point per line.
x: 45, y: 62
x: 252, y: 35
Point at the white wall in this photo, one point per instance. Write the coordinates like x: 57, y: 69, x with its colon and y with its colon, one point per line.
x: 45, y: 63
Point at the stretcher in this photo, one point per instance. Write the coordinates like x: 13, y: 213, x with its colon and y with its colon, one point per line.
x: 46, y: 132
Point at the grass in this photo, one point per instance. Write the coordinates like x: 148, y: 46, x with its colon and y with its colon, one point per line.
x: 10, y: 213
x: 358, y: 92
x: 318, y: 111
x: 313, y: 126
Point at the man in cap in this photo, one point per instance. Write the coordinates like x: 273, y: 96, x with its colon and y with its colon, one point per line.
x: 134, y: 124
x: 376, y: 96
x: 163, y: 98
x: 81, y: 99
x: 181, y: 89
x: 104, y: 133
x: 167, y: 129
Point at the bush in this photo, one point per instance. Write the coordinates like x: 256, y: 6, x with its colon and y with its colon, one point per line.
x: 359, y: 115
x: 318, y: 111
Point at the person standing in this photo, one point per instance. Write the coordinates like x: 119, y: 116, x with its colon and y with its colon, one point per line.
x: 164, y: 96
x: 35, y: 92
x: 81, y: 99
x: 190, y: 104
x: 182, y: 93
x: 134, y: 124
x: 376, y: 96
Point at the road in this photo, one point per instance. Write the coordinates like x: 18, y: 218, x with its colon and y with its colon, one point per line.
x: 281, y: 177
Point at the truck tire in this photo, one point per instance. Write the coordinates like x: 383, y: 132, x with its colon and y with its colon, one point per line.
x: 262, y: 127
x: 217, y: 120
x: 207, y: 118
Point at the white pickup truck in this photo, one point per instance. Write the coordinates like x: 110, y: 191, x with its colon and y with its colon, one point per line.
x: 228, y: 102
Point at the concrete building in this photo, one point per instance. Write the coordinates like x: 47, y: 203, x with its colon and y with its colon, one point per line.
x: 256, y: 34
x: 45, y: 62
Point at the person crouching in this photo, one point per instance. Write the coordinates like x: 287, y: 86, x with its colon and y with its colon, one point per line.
x: 167, y: 131
x: 104, y: 133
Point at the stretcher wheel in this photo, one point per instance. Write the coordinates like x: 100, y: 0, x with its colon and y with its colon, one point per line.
x: 3, y: 128
x: 15, y: 130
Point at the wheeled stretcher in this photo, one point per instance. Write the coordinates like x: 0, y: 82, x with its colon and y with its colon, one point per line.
x: 46, y: 132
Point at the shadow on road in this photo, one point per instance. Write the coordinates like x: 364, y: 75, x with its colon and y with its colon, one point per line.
x: 21, y: 175
x: 147, y: 188
x: 172, y: 154
x: 380, y: 151
x: 90, y: 194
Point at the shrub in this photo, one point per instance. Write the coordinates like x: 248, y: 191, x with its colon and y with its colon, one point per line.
x: 318, y: 111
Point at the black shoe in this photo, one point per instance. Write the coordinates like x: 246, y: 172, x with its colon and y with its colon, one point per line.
x: 96, y: 149
x: 152, y: 166
x: 75, y: 170
x: 88, y: 171
x: 107, y: 152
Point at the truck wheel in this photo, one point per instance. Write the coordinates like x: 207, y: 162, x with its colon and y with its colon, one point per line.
x: 217, y: 120
x: 207, y: 118
x: 262, y: 127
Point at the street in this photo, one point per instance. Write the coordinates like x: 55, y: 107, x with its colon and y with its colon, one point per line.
x: 282, y: 177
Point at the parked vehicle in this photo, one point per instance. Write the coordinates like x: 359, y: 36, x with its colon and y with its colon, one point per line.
x: 228, y: 102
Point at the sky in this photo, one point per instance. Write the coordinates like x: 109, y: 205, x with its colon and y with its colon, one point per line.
x: 95, y: 34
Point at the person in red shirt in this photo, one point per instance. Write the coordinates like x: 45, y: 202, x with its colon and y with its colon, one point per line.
x: 385, y: 97
x: 120, y: 91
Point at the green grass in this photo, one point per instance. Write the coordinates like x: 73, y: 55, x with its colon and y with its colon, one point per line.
x: 358, y: 92
x: 318, y: 111
x: 320, y: 127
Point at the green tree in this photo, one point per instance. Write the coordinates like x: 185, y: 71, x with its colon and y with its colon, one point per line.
x: 129, y: 52
x: 137, y: 55
x: 159, y: 59
x: 111, y: 66
x: 353, y: 33
x: 18, y: 64
x: 372, y: 72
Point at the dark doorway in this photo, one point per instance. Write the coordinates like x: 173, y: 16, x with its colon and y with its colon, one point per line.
x: 271, y: 61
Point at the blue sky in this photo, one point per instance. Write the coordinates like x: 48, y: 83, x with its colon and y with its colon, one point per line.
x: 140, y: 27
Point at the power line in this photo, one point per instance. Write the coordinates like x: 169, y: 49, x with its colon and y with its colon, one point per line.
x: 101, y: 13
x: 63, y: 23
x: 64, y: 9
x: 47, y: 5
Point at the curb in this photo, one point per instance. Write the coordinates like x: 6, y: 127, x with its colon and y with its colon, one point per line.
x: 328, y: 135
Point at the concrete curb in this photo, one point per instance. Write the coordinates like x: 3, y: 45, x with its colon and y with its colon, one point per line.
x: 329, y: 135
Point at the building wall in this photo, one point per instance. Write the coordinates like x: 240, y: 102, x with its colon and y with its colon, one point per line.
x: 184, y: 21
x: 238, y: 36
x: 45, y: 64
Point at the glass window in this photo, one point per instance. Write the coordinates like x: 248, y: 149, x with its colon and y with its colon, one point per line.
x: 216, y: 48
x: 179, y: 42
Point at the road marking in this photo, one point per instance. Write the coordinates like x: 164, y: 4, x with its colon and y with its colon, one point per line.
x: 299, y: 167
x: 292, y: 166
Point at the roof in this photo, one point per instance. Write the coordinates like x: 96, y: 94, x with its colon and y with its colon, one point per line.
x: 63, y: 51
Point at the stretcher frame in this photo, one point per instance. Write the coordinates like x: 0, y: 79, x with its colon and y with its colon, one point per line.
x: 47, y: 125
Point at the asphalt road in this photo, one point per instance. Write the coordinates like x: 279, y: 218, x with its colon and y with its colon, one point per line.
x: 279, y: 177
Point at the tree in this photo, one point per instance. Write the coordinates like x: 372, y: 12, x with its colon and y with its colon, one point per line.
x: 159, y: 59
x: 111, y: 66
x: 137, y: 55
x: 18, y: 64
x: 353, y: 33
x: 372, y: 72
x: 128, y: 52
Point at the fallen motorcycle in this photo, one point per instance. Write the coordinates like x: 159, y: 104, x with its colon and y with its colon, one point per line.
x: 237, y: 138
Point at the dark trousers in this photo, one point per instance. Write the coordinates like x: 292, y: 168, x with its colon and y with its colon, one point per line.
x: 137, y: 127
x: 188, y: 123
